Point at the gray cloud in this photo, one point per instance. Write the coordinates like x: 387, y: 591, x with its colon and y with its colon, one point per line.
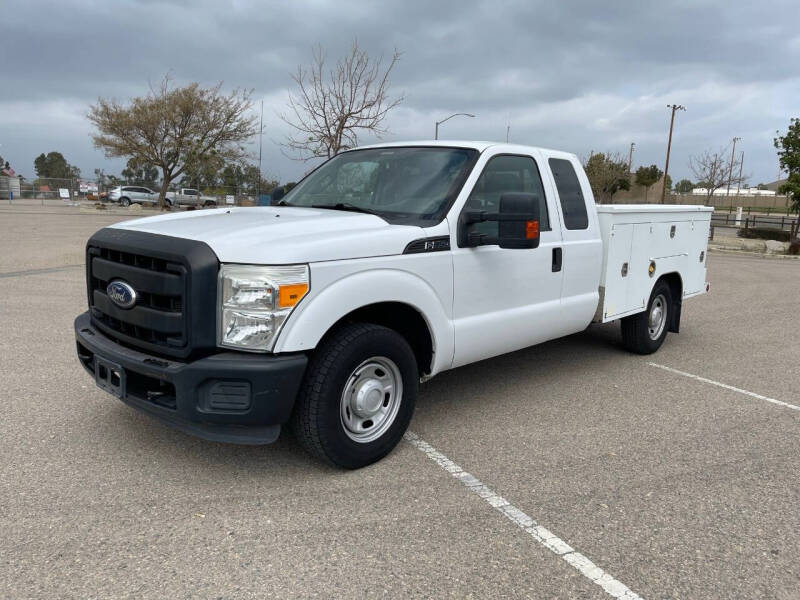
x: 580, y: 76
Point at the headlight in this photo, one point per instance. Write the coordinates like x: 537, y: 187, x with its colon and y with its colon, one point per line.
x: 255, y: 301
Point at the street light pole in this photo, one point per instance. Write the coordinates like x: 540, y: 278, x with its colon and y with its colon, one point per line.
x: 260, y: 140
x: 436, y: 133
x: 674, y: 107
x: 730, y: 170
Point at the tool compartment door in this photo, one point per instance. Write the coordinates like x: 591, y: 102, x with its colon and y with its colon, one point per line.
x: 616, y: 271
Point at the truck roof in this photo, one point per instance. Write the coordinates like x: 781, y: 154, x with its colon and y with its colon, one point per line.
x: 480, y: 146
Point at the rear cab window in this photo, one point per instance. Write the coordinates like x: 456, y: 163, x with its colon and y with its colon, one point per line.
x: 573, y: 203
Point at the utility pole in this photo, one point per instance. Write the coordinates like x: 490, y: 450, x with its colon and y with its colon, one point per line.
x: 508, y: 128
x: 674, y: 107
x: 741, y: 165
x: 730, y: 170
x: 260, y: 140
x: 630, y: 158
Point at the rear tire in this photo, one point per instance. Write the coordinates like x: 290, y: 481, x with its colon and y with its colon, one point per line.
x: 125, y: 201
x: 643, y: 333
x: 357, y: 397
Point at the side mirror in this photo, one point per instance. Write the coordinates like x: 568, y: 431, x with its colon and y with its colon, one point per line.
x: 518, y: 225
x: 276, y: 195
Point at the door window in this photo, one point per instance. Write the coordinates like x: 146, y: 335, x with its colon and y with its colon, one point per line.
x: 502, y: 174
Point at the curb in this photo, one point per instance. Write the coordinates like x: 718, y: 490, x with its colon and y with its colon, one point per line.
x: 753, y: 254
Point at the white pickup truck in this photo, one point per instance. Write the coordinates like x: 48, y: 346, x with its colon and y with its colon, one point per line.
x: 189, y: 197
x: 385, y: 266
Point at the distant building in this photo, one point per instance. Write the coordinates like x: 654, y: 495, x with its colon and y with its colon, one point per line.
x: 776, y: 184
x: 723, y: 191
x: 9, y: 186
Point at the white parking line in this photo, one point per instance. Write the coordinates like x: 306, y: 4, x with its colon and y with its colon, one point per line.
x: 549, y: 540
x: 726, y: 386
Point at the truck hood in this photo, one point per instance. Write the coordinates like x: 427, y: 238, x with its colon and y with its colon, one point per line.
x: 282, y: 235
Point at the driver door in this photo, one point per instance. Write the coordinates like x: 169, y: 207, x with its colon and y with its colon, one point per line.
x: 507, y: 299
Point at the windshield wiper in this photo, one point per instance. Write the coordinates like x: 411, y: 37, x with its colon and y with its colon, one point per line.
x: 283, y: 203
x: 347, y: 206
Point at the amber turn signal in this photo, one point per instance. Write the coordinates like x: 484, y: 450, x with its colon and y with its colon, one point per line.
x: 291, y: 294
x: 531, y: 230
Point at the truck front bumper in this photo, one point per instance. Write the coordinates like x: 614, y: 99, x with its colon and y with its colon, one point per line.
x: 228, y: 397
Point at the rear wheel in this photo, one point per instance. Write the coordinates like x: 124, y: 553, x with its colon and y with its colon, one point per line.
x: 643, y: 333
x: 125, y: 201
x: 357, y: 397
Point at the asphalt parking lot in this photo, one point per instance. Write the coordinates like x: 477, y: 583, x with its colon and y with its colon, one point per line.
x: 674, y: 486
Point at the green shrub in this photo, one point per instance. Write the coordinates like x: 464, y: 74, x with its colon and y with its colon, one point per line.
x: 765, y: 233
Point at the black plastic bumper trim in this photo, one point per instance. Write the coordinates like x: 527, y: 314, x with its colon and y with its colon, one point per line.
x: 274, y: 383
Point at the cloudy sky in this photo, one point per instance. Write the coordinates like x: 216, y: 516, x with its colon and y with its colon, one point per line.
x: 578, y: 76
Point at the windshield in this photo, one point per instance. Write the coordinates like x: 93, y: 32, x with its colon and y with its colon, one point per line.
x: 403, y: 184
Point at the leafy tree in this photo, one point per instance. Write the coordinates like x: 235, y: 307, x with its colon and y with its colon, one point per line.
x: 788, y: 146
x: 137, y: 172
x: 647, y: 176
x: 203, y: 174
x: 174, y: 128
x: 684, y: 186
x: 53, y: 165
x: 608, y: 173
x: 332, y: 106
x: 232, y: 175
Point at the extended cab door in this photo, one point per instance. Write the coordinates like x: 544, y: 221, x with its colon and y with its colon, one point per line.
x: 582, y: 255
x: 507, y: 299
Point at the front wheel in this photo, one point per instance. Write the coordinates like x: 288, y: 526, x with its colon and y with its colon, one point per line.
x: 643, y: 333
x: 357, y: 397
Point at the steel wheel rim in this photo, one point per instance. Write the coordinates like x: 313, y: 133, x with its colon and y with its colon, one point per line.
x: 657, y: 319
x: 371, y: 399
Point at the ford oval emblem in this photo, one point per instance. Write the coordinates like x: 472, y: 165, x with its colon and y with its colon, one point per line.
x: 121, y: 293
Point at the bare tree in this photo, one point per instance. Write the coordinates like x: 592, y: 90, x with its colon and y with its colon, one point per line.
x: 331, y: 107
x: 175, y: 128
x: 712, y: 170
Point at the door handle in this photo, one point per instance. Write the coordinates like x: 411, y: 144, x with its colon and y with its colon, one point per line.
x: 557, y: 259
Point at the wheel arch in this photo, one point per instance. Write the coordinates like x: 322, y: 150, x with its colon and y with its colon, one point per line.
x: 402, y: 318
x: 675, y: 283
x: 372, y: 297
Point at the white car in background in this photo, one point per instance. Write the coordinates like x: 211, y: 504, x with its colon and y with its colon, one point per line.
x: 132, y: 194
x: 189, y: 197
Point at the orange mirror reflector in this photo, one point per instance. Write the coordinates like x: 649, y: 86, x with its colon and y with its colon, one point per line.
x: 531, y: 230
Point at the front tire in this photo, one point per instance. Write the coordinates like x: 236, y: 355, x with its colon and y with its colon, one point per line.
x: 357, y: 397
x: 643, y: 333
